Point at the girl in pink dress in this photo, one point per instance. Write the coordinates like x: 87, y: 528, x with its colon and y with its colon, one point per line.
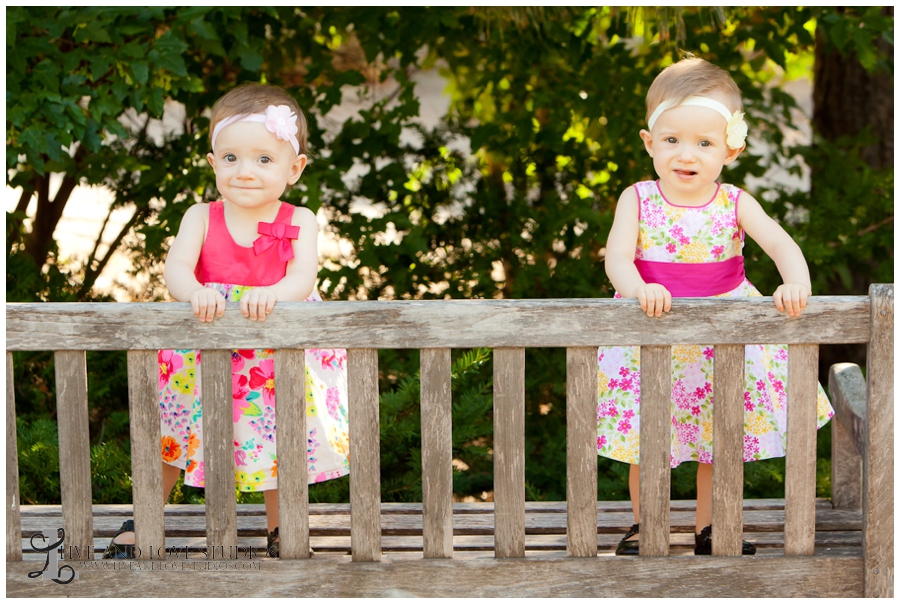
x: 252, y: 248
x: 682, y: 236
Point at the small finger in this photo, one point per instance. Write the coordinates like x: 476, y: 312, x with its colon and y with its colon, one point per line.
x: 776, y: 297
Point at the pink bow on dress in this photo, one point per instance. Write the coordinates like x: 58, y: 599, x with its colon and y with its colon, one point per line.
x: 276, y: 233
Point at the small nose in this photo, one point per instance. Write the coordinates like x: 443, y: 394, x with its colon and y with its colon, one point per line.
x: 244, y: 169
x: 686, y: 152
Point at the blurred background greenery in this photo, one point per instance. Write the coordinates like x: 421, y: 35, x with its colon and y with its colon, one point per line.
x: 510, y: 193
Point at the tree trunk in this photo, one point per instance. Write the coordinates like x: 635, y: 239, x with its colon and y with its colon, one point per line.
x: 846, y: 100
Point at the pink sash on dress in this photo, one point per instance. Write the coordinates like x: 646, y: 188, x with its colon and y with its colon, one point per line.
x: 694, y: 280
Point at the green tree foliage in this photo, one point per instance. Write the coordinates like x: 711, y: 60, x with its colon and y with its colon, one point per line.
x: 511, y: 195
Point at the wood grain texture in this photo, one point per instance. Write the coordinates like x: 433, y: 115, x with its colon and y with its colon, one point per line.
x: 847, y: 391
x: 878, y: 461
x: 74, y: 450
x: 291, y: 446
x: 437, y: 453
x: 682, y: 576
x: 800, y: 458
x: 13, y: 521
x: 146, y: 478
x: 509, y: 452
x: 365, y: 454
x: 434, y: 324
x: 728, y: 450
x: 581, y: 451
x: 218, y: 447
x: 656, y: 426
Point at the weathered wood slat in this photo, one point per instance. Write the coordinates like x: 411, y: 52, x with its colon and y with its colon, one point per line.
x: 435, y: 324
x: 800, y: 458
x: 74, y: 448
x: 146, y: 477
x: 365, y: 454
x: 878, y: 461
x: 13, y: 521
x: 291, y: 444
x: 656, y: 449
x: 581, y: 451
x: 686, y: 576
x: 847, y: 389
x: 728, y: 449
x: 509, y: 452
x: 218, y: 447
x: 437, y: 453
x: 391, y: 508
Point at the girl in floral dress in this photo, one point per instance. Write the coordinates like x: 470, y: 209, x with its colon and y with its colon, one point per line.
x: 681, y: 236
x: 250, y: 248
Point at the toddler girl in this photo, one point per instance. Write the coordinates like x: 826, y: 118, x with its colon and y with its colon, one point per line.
x: 252, y: 248
x: 681, y: 236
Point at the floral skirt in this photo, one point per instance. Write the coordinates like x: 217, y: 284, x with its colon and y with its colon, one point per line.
x: 765, y: 400
x: 253, y: 379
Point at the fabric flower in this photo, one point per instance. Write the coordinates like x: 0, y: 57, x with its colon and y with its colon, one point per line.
x: 281, y: 121
x: 736, y: 130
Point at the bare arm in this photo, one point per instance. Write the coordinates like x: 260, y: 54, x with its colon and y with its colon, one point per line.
x: 181, y: 261
x: 300, y: 278
x: 653, y: 297
x: 791, y: 296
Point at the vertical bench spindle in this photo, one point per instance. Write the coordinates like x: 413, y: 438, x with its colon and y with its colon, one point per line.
x: 878, y: 462
x: 509, y: 452
x: 218, y: 451
x: 437, y: 453
x: 581, y: 452
x: 728, y: 450
x: 74, y: 452
x: 146, y: 477
x: 365, y: 455
x: 800, y: 462
x: 292, y: 445
x: 13, y: 517
x: 656, y: 447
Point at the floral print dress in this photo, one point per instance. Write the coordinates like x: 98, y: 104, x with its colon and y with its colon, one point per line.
x: 680, y: 234
x: 253, y: 375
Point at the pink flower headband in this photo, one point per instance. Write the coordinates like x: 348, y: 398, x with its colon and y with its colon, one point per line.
x: 280, y: 121
x: 735, y: 126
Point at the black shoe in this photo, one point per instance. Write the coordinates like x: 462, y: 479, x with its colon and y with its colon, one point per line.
x: 703, y: 544
x: 629, y: 548
x: 121, y: 551
x: 272, y: 545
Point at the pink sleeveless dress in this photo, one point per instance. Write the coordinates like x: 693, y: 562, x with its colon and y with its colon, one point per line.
x: 694, y: 252
x: 232, y: 270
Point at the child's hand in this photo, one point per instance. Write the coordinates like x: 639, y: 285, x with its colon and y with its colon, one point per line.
x: 654, y: 298
x: 257, y: 303
x: 207, y: 304
x: 791, y: 297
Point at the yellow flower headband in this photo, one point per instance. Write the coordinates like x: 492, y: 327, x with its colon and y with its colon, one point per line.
x: 735, y: 127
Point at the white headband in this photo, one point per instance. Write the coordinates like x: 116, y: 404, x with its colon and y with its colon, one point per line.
x: 280, y: 121
x: 735, y: 127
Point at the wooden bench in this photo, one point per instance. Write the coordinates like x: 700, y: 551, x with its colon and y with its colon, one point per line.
x: 511, y: 547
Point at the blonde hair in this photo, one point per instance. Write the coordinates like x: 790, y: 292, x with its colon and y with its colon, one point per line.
x: 252, y: 97
x: 692, y: 76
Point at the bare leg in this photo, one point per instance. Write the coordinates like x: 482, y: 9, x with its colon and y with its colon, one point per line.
x: 634, y: 489
x: 170, y: 476
x: 270, y: 498
x: 704, y: 496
